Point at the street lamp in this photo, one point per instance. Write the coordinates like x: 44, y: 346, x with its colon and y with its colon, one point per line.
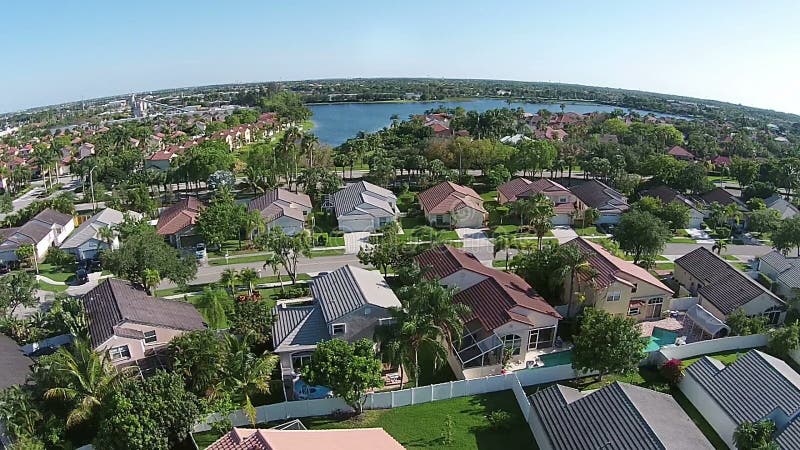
x: 226, y: 258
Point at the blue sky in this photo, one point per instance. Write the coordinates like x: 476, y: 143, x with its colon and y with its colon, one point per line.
x: 739, y: 51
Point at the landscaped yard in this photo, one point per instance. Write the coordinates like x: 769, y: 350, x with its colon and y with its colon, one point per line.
x: 588, y: 231
x: 57, y: 273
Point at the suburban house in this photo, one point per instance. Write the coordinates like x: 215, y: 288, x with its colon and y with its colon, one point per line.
x: 347, y: 303
x: 282, y: 209
x: 617, y: 286
x: 86, y: 242
x: 131, y: 326
x: 505, y: 313
x: 47, y: 229
x: 755, y: 387
x: 724, y: 198
x: 668, y: 195
x: 720, y: 161
x: 448, y: 204
x: 722, y: 289
x: 177, y: 222
x: 617, y: 416
x: 608, y: 202
x: 784, y: 207
x: 16, y: 366
x: 363, y: 206
x: 566, y: 204
x: 681, y: 153
x: 784, y: 273
x: 298, y: 438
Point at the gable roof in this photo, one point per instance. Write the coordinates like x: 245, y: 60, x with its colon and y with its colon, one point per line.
x: 669, y: 195
x: 298, y: 325
x: 114, y: 302
x: 274, y: 439
x: 353, y: 195
x: 723, y: 285
x: 50, y: 216
x: 724, y: 198
x: 598, y: 195
x: 179, y: 216
x: 786, y: 209
x: 16, y: 366
x: 280, y: 202
x: 490, y: 300
x: 446, y: 197
x: 617, y: 416
x: 522, y: 187
x: 609, y: 267
x: 348, y: 288
x: 680, y: 152
x: 90, y: 228
x: 750, y: 388
x: 777, y: 261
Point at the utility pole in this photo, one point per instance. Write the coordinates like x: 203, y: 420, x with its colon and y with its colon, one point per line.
x: 91, y: 183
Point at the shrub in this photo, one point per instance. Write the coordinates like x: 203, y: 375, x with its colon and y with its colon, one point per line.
x: 499, y: 420
x: 58, y: 257
x: 322, y: 239
x: 672, y: 371
x: 783, y: 340
x: 337, y: 233
x: 294, y: 292
x: 447, y: 430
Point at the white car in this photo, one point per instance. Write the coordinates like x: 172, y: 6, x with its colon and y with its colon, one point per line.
x: 200, y: 251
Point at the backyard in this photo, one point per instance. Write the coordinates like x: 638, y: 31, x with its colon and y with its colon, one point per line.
x: 421, y: 426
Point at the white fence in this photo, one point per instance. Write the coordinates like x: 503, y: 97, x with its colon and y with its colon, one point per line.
x: 709, y: 347
x: 55, y: 342
x: 404, y: 397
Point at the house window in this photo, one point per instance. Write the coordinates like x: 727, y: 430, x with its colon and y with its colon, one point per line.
x: 541, y: 338
x: 655, y: 301
x: 299, y: 360
x: 773, y: 315
x: 562, y: 200
x: 613, y: 296
x: 633, y: 311
x: 338, y: 329
x: 117, y: 353
x: 439, y: 219
x: 635, y: 287
x: 512, y: 342
x: 150, y: 337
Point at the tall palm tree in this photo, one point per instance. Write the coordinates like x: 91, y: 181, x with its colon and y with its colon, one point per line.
x: 541, y: 215
x: 252, y: 223
x: 151, y: 278
x: 308, y: 143
x: 733, y: 215
x: 107, y: 235
x: 246, y: 374
x: 404, y: 338
x: 574, y: 264
x: 589, y: 216
x: 230, y: 277
x: 522, y: 207
x: 248, y: 277
x: 503, y: 243
x: 88, y: 379
x: 719, y: 246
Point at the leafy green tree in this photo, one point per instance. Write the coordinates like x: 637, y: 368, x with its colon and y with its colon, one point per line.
x: 785, y: 339
x: 608, y: 343
x: 19, y: 413
x: 155, y: 413
x: 498, y: 175
x: 287, y: 249
x: 742, y: 325
x: 764, y: 220
x: 589, y: 217
x: 641, y: 234
x: 198, y: 356
x: 745, y: 171
x: 17, y: 289
x: 146, y: 250
x: 25, y: 253
x: 252, y: 317
x: 246, y: 374
x: 756, y: 435
x: 386, y: 251
x: 221, y: 220
x: 215, y: 305
x: 348, y: 369
x: 151, y: 280
x: 787, y: 235
x: 202, y: 160
x: 248, y: 277
x: 88, y: 380
x: 675, y: 214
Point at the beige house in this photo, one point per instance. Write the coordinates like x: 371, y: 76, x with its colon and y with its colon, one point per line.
x: 131, y: 326
x: 451, y: 205
x: 722, y: 289
x: 618, y: 286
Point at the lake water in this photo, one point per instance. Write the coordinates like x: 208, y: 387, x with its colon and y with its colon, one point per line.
x: 337, y: 122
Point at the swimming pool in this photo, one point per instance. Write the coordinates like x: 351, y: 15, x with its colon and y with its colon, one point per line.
x: 557, y: 358
x: 660, y: 338
x: 303, y: 391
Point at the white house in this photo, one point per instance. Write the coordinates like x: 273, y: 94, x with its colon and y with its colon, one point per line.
x: 785, y: 208
x: 86, y: 242
x: 282, y: 209
x: 784, y: 273
x: 363, y: 206
x: 46, y: 229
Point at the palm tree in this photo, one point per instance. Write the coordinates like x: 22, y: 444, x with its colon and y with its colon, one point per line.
x: 230, y: 277
x: 108, y: 236
x: 248, y: 277
x: 252, y: 223
x: 407, y: 334
x: 521, y: 208
x: 733, y: 215
x: 719, y: 246
x: 151, y: 278
x: 541, y: 214
x: 246, y: 374
x: 574, y: 264
x: 87, y: 379
x: 274, y: 263
x: 589, y: 216
x: 308, y: 143
x: 503, y: 243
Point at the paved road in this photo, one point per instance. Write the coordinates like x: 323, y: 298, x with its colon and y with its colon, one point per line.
x: 69, y: 184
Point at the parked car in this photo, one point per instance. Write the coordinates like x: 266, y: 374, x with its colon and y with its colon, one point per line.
x: 200, y: 251
x: 82, y: 275
x: 4, y: 269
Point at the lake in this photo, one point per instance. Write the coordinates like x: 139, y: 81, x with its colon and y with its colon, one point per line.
x: 337, y: 122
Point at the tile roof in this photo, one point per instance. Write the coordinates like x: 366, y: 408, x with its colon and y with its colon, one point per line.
x: 490, y: 300
x: 298, y: 325
x: 114, y: 302
x: 354, y: 195
x: 596, y: 194
x: 281, y: 202
x: 179, y: 216
x: 679, y: 151
x: 90, y: 229
x: 447, y: 197
x: 777, y: 261
x: 724, y: 198
x: 617, y: 416
x: 721, y: 161
x: 16, y: 366
x: 609, y: 267
x: 722, y: 284
x: 348, y: 288
x: 669, y: 195
x: 523, y: 187
x: 271, y: 439
x: 750, y: 388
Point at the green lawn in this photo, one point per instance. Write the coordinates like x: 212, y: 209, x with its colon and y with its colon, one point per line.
x: 505, y: 229
x: 588, y: 231
x: 741, y: 266
x: 57, y: 273
x: 730, y: 258
x: 723, y: 357
x: 333, y: 241
x: 489, y: 196
x: 55, y: 288
x: 261, y: 258
x: 681, y: 240
x: 409, y: 223
x: 698, y: 419
x: 404, y: 201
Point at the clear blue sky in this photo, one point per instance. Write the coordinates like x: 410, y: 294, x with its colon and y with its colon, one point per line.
x: 740, y: 51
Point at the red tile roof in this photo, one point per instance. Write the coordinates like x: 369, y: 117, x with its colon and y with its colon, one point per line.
x: 523, y: 188
x: 721, y: 161
x: 350, y: 439
x: 490, y: 301
x: 680, y: 152
x: 179, y: 216
x: 446, y: 197
x: 609, y: 267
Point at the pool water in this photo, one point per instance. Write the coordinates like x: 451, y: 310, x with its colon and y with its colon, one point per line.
x: 303, y: 391
x: 660, y: 338
x: 557, y: 358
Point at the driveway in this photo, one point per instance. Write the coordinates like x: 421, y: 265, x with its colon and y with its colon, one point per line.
x: 564, y: 234
x: 473, y: 237
x: 353, y: 242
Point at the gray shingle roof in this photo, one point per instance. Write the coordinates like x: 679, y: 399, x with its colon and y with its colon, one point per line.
x: 114, y: 302
x: 777, y: 261
x: 598, y: 195
x: 722, y: 284
x: 619, y: 416
x: 278, y: 202
x: 750, y: 388
x: 52, y: 217
x: 91, y: 227
x: 348, y: 288
x: 298, y: 325
x: 349, y: 198
x: 15, y: 366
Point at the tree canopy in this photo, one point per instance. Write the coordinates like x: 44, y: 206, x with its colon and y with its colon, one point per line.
x: 608, y: 343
